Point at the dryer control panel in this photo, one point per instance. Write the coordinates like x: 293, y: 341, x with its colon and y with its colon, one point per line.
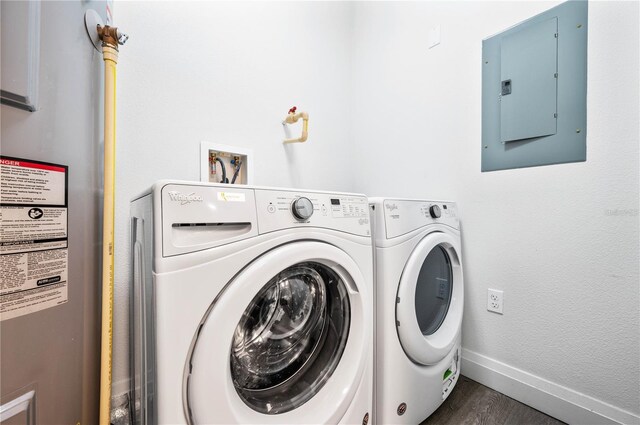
x: 277, y: 209
x: 404, y: 216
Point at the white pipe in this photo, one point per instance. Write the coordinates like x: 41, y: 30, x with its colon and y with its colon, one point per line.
x: 292, y: 118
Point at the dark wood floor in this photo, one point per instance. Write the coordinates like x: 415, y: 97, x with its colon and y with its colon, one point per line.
x: 473, y: 403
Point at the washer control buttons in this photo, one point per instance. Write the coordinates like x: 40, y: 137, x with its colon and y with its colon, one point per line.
x: 435, y: 212
x: 302, y: 208
x: 271, y: 208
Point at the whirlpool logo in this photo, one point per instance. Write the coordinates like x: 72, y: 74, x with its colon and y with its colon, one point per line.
x: 185, y: 199
x: 391, y: 207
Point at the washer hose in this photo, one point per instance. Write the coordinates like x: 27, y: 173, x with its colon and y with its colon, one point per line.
x: 235, y: 175
x: 224, y: 171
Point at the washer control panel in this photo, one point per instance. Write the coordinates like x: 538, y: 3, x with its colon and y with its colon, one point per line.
x: 278, y: 209
x: 302, y: 208
x: 434, y: 211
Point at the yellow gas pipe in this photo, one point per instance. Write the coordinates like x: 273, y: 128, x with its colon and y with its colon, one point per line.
x: 110, y: 39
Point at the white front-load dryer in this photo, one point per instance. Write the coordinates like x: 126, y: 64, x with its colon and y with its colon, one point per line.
x: 251, y: 306
x: 419, y: 300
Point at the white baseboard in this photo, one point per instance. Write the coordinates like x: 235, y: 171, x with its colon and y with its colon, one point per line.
x: 555, y: 400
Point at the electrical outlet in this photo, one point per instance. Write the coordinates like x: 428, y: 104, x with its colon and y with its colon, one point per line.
x: 495, y: 301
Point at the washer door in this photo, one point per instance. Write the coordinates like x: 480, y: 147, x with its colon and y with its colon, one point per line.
x: 430, y: 299
x: 285, y: 339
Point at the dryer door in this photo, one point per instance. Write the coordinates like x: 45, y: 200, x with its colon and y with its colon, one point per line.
x: 430, y: 299
x: 285, y: 342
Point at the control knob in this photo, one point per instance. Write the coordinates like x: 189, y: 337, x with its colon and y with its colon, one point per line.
x: 435, y: 212
x: 302, y: 208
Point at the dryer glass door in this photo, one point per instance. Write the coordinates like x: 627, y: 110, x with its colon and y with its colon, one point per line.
x: 433, y: 290
x: 429, y: 302
x: 290, y: 338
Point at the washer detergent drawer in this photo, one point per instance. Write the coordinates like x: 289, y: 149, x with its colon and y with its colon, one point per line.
x: 200, y: 217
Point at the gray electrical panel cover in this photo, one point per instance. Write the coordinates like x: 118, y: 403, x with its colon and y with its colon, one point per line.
x: 534, y: 90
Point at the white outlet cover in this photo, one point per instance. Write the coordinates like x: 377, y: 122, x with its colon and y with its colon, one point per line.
x: 495, y: 301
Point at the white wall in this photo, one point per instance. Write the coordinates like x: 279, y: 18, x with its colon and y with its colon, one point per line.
x: 226, y: 73
x: 547, y: 236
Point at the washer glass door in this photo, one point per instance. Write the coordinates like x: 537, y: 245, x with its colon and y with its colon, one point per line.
x: 287, y: 337
x: 290, y: 338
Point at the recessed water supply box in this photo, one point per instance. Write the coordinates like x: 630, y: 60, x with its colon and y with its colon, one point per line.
x: 534, y: 91
x: 221, y: 163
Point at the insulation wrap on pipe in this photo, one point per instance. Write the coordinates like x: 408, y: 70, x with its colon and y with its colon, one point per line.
x: 110, y: 57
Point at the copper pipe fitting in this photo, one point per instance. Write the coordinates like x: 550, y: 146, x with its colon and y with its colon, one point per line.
x: 111, y: 37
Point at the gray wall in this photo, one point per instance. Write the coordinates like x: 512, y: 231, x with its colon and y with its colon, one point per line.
x: 57, y: 349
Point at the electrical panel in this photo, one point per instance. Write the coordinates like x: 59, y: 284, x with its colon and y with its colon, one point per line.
x: 528, y: 69
x: 225, y: 164
x: 534, y: 89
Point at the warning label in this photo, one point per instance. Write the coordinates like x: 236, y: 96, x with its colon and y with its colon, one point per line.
x: 31, y: 182
x: 23, y: 226
x: 32, y: 281
x: 33, y: 236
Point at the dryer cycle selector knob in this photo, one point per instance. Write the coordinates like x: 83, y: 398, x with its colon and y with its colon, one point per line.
x: 435, y: 212
x: 302, y: 208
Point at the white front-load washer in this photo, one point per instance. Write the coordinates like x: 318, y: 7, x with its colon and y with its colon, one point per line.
x: 251, y: 306
x: 419, y: 301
